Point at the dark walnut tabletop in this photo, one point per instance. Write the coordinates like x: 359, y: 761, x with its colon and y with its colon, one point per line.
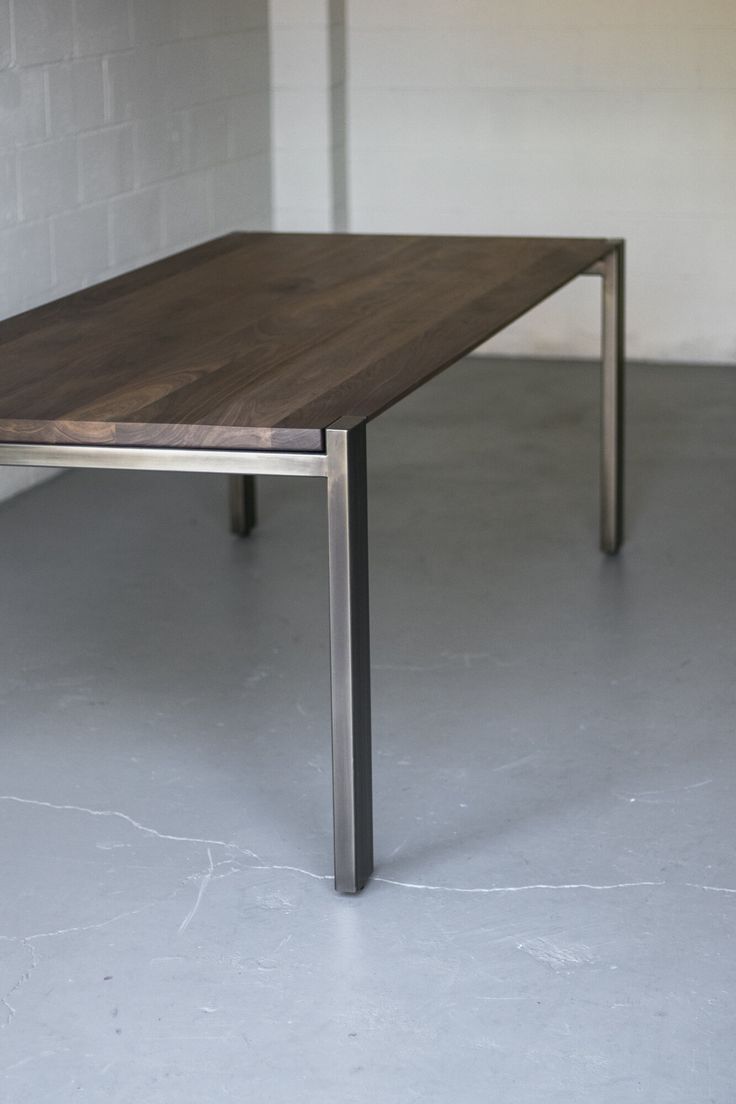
x: 262, y: 341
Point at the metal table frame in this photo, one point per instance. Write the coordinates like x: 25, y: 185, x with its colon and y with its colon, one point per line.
x: 343, y: 465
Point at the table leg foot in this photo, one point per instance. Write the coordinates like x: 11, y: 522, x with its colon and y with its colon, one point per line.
x: 350, y: 654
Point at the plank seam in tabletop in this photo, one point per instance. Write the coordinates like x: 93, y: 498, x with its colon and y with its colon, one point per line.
x: 261, y: 341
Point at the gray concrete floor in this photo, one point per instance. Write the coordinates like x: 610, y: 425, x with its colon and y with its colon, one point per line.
x: 553, y: 913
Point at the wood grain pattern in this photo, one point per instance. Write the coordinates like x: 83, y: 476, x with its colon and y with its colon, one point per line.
x: 261, y: 341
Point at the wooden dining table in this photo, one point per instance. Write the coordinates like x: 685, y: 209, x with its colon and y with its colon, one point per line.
x: 268, y: 354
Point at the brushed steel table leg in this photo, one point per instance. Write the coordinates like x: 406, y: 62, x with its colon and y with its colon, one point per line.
x: 350, y: 654
x: 242, y: 489
x: 612, y: 417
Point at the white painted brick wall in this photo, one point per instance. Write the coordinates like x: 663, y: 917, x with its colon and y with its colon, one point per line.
x: 560, y: 117
x: 129, y: 129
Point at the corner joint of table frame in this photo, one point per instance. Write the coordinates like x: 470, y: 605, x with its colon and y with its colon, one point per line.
x: 598, y: 268
x: 345, y: 424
